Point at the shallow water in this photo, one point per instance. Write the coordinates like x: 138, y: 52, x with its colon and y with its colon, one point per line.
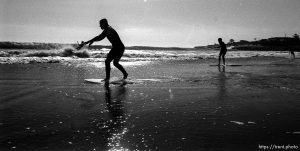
x: 194, y: 106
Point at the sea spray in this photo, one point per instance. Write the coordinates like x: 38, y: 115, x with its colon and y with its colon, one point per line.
x: 82, y: 54
x: 67, y: 52
x: 71, y: 51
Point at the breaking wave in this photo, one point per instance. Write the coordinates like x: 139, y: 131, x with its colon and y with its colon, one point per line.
x: 96, y: 55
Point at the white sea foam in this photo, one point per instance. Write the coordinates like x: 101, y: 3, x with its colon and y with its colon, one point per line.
x: 25, y: 56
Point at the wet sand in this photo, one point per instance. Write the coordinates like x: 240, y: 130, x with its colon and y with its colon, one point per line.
x: 193, y: 106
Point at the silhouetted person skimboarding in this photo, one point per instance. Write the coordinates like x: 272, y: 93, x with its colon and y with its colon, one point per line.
x: 116, y: 51
x: 222, y: 51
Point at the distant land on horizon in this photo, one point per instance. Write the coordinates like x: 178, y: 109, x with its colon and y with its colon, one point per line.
x: 46, y: 46
x: 270, y: 44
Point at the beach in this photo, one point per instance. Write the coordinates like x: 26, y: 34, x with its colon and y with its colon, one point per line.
x: 185, y: 104
x: 184, y: 75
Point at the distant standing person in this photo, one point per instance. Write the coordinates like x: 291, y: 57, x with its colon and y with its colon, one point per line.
x: 116, y: 51
x: 222, y: 51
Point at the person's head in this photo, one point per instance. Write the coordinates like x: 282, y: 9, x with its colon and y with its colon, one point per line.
x: 220, y: 40
x: 103, y: 23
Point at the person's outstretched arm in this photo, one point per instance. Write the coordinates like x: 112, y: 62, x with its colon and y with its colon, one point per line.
x: 97, y: 38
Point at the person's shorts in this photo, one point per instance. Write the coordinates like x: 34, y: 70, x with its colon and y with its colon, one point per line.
x: 222, y: 53
x: 115, y: 54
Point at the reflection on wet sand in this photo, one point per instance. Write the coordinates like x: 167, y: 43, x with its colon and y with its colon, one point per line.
x: 117, y: 123
x: 221, y: 92
x: 222, y: 83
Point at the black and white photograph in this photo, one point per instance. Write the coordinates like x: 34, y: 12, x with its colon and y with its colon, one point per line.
x: 149, y: 75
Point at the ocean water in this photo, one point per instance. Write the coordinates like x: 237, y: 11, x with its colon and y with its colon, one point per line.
x: 55, y: 56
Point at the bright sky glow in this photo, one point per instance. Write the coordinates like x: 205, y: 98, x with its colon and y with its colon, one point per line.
x: 182, y: 23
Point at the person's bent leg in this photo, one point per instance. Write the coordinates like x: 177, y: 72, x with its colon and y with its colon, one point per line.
x: 107, y: 69
x: 223, y: 57
x: 293, y: 54
x: 107, y: 66
x: 117, y: 59
x: 120, y: 67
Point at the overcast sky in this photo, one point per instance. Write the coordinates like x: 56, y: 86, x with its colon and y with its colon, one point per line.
x: 183, y: 23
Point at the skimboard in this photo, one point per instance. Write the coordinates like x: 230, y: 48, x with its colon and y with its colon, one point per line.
x: 101, y: 81
x: 216, y: 65
x: 122, y: 81
x: 232, y: 65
